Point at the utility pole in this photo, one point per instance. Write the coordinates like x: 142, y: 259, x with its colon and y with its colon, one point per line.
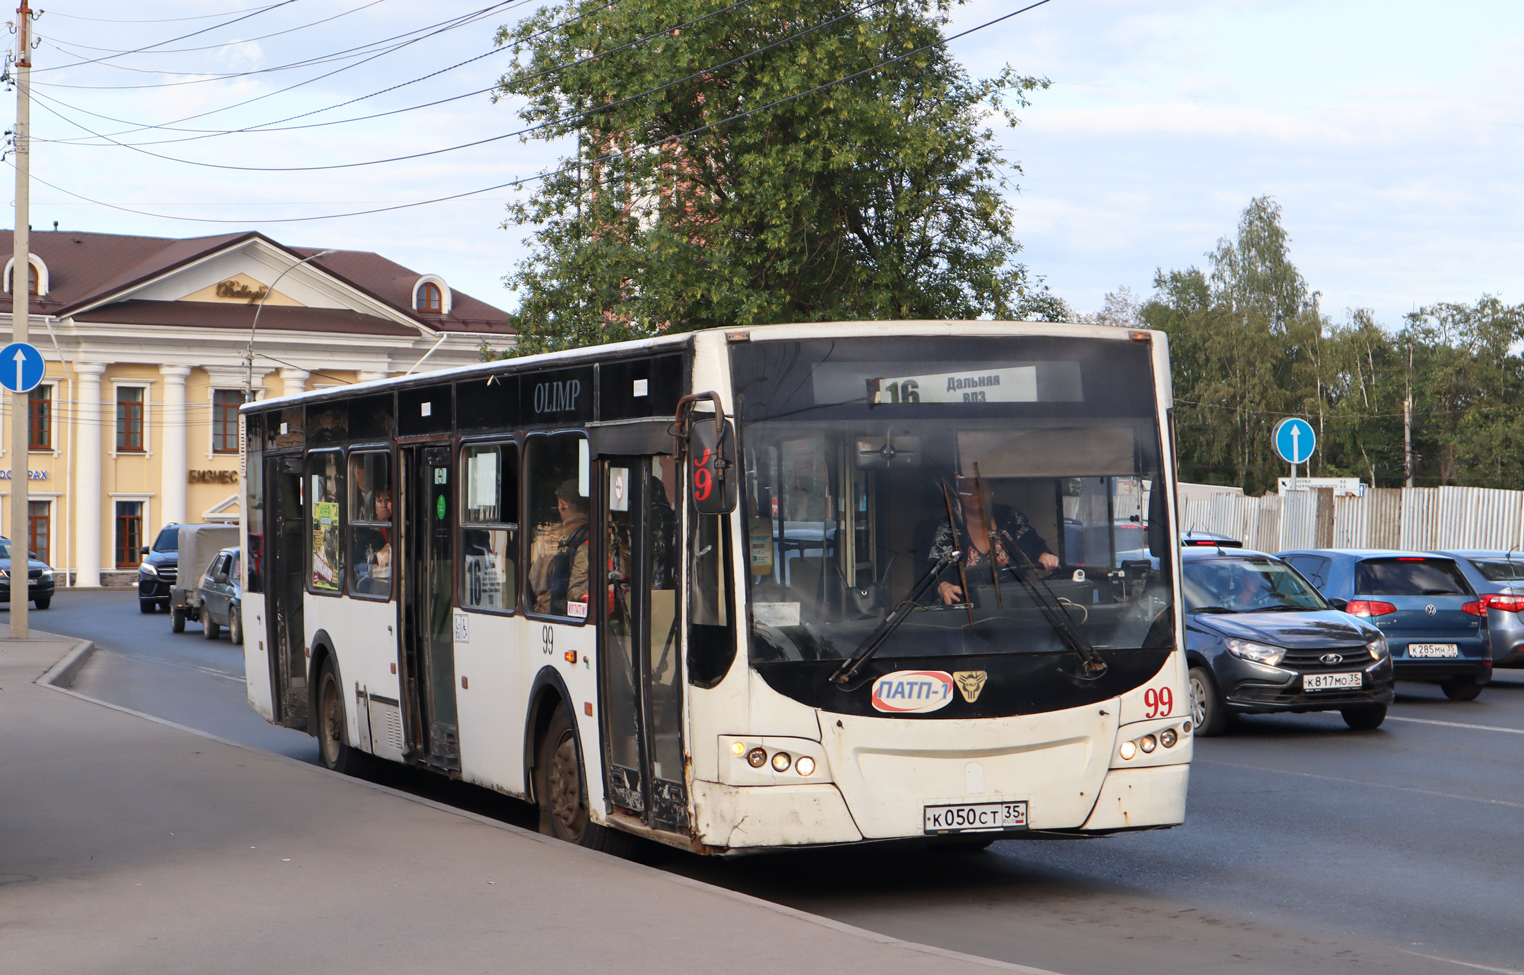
x: 21, y: 301
x: 1407, y: 423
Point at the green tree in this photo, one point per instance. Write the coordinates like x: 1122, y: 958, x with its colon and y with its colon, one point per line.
x: 876, y: 198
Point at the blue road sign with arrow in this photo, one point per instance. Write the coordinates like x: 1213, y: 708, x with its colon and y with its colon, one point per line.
x: 1294, y: 439
x: 21, y: 367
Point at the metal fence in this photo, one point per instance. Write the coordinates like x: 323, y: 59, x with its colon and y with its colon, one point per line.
x: 1406, y: 518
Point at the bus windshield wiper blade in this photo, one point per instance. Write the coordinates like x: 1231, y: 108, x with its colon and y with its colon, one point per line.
x: 1092, y: 663
x: 882, y: 632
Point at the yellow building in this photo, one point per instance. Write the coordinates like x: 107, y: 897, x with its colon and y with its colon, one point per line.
x: 151, y: 345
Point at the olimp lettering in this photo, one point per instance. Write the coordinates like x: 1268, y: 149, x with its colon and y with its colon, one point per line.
x: 557, y: 397
x: 972, y: 382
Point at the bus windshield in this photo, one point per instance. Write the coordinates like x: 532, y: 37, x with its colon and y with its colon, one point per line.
x: 867, y: 464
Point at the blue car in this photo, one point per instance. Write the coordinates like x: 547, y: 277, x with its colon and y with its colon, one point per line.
x: 1499, y: 577
x: 1259, y: 639
x: 1431, y: 616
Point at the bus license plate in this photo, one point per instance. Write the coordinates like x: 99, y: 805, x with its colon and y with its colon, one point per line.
x: 973, y: 816
x: 1433, y: 650
x: 1330, y: 682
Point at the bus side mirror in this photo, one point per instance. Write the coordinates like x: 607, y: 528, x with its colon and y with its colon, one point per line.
x: 712, y: 466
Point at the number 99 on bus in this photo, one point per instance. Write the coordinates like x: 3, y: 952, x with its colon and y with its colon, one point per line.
x: 1160, y: 702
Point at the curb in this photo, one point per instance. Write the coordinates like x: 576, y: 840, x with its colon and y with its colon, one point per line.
x: 62, y: 673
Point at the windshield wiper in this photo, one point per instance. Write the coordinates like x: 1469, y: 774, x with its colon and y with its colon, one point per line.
x: 1211, y: 609
x: 1092, y: 664
x: 882, y: 632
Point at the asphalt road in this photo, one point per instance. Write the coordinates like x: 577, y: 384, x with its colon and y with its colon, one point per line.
x: 1307, y: 847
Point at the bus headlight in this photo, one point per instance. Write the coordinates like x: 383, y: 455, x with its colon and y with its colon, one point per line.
x: 1128, y: 751
x: 1148, y: 743
x: 1167, y: 737
x: 781, y: 761
x: 756, y: 758
x: 805, y: 765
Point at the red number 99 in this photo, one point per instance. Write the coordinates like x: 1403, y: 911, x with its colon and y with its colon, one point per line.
x: 1159, y: 702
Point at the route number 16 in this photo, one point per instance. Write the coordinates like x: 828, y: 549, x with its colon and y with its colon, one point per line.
x: 1159, y: 702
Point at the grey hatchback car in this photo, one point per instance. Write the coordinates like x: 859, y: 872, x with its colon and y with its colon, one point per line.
x: 1498, y: 578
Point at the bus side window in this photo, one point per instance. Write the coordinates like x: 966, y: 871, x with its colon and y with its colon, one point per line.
x: 711, y: 636
x: 370, y: 506
x: 489, y: 529
x: 559, y: 485
x: 325, y: 484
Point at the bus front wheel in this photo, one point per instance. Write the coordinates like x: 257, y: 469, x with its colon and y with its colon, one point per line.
x: 560, y: 789
x: 333, y: 751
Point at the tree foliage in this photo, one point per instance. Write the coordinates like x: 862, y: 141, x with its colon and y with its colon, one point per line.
x: 876, y: 198
x: 1249, y: 346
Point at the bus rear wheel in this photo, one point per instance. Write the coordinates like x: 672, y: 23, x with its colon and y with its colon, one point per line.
x: 560, y: 789
x: 333, y: 751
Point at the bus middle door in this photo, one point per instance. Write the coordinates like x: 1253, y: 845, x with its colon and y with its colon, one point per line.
x: 428, y: 596
x: 641, y: 652
x: 286, y: 530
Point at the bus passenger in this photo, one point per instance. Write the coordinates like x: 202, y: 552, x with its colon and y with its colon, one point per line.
x: 559, y: 570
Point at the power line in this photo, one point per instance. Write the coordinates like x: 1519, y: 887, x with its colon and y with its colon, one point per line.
x: 204, y: 30
x: 165, y: 20
x: 562, y: 120
x: 516, y: 183
x: 361, y: 49
x: 212, y: 47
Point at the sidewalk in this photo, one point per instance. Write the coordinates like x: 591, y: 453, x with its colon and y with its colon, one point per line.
x: 128, y: 845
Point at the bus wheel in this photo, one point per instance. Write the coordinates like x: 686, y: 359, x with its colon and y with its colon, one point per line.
x: 333, y: 752
x: 559, y: 784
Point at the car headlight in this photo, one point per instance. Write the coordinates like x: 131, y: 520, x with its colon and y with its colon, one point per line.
x: 1260, y: 653
x: 1378, y: 648
x: 148, y: 569
x: 47, y: 573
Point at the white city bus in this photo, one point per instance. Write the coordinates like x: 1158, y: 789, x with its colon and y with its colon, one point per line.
x: 736, y: 590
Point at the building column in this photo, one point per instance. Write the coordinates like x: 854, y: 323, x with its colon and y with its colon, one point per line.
x: 293, y: 380
x: 172, y: 463
x: 86, y: 503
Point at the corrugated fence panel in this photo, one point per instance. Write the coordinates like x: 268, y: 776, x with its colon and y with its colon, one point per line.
x: 1383, y: 521
x: 1350, y: 514
x: 1418, y: 511
x: 1299, y: 514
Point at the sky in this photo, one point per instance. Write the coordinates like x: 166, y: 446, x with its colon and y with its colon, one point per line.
x: 1389, y: 132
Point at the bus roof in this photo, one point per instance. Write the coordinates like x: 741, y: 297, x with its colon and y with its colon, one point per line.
x: 783, y: 332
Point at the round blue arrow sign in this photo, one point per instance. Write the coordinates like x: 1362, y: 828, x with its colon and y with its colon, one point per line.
x: 1294, y: 439
x: 21, y: 367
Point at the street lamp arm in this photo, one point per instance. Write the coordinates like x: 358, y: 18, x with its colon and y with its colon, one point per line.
x: 248, y: 356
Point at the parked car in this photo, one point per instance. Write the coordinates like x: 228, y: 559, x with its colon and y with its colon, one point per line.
x: 159, y: 569
x: 1195, y: 538
x: 1498, y: 577
x: 39, y: 577
x: 1259, y: 639
x: 1433, y: 620
x: 221, y: 597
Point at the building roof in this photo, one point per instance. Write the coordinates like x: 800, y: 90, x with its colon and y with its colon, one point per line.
x: 91, y: 276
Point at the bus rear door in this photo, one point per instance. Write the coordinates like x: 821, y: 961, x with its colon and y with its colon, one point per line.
x: 640, y: 656
x: 287, y: 545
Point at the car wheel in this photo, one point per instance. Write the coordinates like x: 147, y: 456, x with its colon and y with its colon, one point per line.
x: 333, y: 751
x: 235, y: 625
x: 1461, y: 688
x: 561, y: 792
x: 1207, y: 709
x: 176, y: 619
x: 43, y: 602
x: 209, y: 627
x: 1364, y: 717
x: 145, y: 605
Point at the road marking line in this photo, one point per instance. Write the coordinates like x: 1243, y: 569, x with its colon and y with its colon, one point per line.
x: 1460, y: 724
x: 1467, y: 964
x: 1373, y: 785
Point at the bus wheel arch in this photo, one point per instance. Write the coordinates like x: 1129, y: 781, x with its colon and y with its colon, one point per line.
x: 546, y: 694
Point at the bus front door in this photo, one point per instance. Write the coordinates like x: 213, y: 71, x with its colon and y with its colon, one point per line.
x: 428, y: 597
x: 287, y: 546
x: 641, y: 653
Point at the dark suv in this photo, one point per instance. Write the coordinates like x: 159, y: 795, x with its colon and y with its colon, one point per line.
x: 158, y: 570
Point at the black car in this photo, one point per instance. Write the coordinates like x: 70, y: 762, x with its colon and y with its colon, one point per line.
x: 1260, y: 639
x: 40, y: 582
x: 158, y: 570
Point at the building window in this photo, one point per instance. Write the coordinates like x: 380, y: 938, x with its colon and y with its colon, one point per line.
x: 225, y: 403
x: 430, y: 298
x: 31, y: 279
x: 39, y: 528
x: 129, y: 418
x: 129, y: 533
x: 40, y: 418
